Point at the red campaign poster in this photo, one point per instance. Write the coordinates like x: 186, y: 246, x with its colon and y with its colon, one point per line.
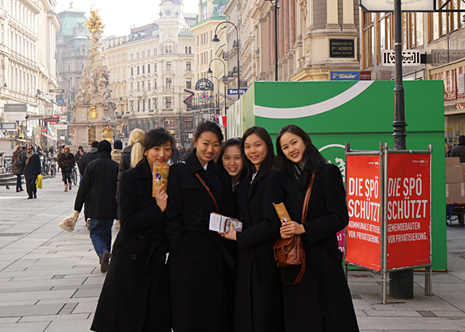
x: 408, y: 210
x: 363, y: 241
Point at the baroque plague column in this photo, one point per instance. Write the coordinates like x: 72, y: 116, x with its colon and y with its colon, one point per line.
x: 94, y: 108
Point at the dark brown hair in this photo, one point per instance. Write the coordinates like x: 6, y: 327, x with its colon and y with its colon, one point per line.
x: 270, y: 160
x: 314, y: 159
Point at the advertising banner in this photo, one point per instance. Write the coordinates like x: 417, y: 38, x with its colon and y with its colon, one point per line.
x: 363, y: 202
x: 408, y: 210
x: 406, y: 5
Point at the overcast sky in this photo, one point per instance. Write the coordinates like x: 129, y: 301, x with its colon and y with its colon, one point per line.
x: 119, y: 16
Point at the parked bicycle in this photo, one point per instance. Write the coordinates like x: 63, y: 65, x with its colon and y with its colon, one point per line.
x: 51, y: 167
x: 74, y: 175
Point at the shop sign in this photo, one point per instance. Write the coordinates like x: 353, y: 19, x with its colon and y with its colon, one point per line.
x: 8, y: 126
x: 44, y: 130
x: 409, y: 58
x: 341, y: 48
x: 204, y: 84
x: 441, y: 57
x: 406, y: 5
x: 14, y: 112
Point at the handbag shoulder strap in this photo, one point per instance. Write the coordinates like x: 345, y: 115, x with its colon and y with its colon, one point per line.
x: 208, y: 190
x: 307, y: 199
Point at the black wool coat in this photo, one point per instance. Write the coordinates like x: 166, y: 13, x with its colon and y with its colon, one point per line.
x: 135, y: 295
x: 98, y: 188
x: 200, y: 261
x: 31, y: 168
x: 258, y: 300
x: 322, y: 299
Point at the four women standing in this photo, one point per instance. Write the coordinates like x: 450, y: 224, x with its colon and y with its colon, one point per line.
x: 227, y: 281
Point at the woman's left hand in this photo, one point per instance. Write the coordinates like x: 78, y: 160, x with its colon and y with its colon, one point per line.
x: 231, y: 235
x: 290, y: 228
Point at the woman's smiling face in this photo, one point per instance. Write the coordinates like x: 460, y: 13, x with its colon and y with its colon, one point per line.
x: 293, y: 147
x: 255, y: 150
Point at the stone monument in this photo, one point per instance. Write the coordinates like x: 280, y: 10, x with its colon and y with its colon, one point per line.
x: 93, y: 108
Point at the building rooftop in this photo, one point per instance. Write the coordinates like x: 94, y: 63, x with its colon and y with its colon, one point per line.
x: 69, y: 19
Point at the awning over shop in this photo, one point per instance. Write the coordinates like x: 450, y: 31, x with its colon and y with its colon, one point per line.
x: 50, y: 137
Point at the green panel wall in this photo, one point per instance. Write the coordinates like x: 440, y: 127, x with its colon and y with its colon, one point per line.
x: 363, y: 120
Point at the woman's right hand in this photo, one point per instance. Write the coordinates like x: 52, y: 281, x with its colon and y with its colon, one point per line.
x: 291, y: 228
x: 162, y: 198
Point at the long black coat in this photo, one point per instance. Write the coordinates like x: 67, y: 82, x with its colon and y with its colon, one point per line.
x: 31, y: 167
x: 98, y: 188
x: 322, y: 299
x: 199, y: 263
x: 135, y: 295
x: 258, y: 306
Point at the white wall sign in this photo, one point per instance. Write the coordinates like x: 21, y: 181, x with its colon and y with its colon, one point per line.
x: 406, y: 5
x: 14, y: 116
x: 409, y: 58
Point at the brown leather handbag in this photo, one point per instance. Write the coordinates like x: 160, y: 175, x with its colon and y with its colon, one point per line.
x: 290, y: 252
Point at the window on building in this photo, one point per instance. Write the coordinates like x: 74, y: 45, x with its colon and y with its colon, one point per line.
x: 188, y: 66
x: 119, y: 74
x: 143, y: 86
x: 369, y: 39
x: 154, y: 84
x: 148, y: 68
x: 168, y: 66
x: 143, y: 54
x: 138, y: 73
x: 155, y: 103
x: 188, y: 83
x: 150, y: 106
x: 132, y: 71
x: 138, y: 55
x: 138, y: 86
x: 155, y: 67
x: 148, y: 85
x: 168, y: 102
x: 143, y: 69
x: 148, y: 53
x: 168, y: 83
x: 124, y: 73
x: 132, y: 56
x: 138, y: 106
x: 132, y: 88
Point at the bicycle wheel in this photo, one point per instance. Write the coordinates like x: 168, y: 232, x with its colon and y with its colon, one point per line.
x: 74, y: 176
x: 53, y: 171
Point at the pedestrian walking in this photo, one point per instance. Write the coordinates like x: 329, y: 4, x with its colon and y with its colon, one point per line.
x: 129, y: 159
x: 258, y: 299
x: 135, y: 295
x: 66, y: 162
x: 92, y: 154
x: 98, y: 191
x: 447, y: 150
x: 321, y: 300
x: 231, y: 159
x: 18, y: 158
x: 117, y: 151
x: 31, y: 166
x: 200, y: 261
x: 459, y: 150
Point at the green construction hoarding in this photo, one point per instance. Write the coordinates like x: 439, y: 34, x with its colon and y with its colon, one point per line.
x: 360, y: 113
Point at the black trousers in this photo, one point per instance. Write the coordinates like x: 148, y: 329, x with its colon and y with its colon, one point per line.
x: 31, y: 188
x: 66, y: 175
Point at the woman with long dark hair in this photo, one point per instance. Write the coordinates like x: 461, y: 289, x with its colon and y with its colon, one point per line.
x: 232, y: 160
x: 321, y: 300
x: 258, y: 304
x: 200, y: 261
x: 135, y: 295
x: 66, y: 162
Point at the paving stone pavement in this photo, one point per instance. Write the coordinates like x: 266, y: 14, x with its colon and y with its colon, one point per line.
x: 50, y: 279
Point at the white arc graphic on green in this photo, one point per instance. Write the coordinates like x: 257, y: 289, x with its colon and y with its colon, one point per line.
x: 309, y: 110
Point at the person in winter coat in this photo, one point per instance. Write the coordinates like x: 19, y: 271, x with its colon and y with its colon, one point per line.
x: 200, y: 261
x: 321, y: 300
x: 18, y: 158
x: 258, y: 300
x: 31, y: 166
x: 232, y: 160
x: 135, y: 295
x: 129, y: 159
x: 117, y: 151
x: 66, y: 162
x: 98, y: 191
x: 92, y: 154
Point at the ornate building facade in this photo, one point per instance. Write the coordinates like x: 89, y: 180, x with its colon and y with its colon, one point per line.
x: 72, y: 50
x: 314, y: 38
x: 159, y: 62
x: 27, y: 59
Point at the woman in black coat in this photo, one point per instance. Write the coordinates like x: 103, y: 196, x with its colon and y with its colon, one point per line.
x: 135, y: 295
x: 200, y: 262
x: 18, y: 157
x: 31, y: 166
x: 66, y: 161
x: 321, y: 302
x: 258, y: 302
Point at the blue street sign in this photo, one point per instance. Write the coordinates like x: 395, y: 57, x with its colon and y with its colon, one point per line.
x: 60, y: 101
x: 234, y: 91
x: 345, y: 76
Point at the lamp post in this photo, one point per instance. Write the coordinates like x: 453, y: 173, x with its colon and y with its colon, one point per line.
x: 218, y: 93
x: 210, y: 72
x: 216, y: 39
x: 401, y: 283
x: 276, y: 5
